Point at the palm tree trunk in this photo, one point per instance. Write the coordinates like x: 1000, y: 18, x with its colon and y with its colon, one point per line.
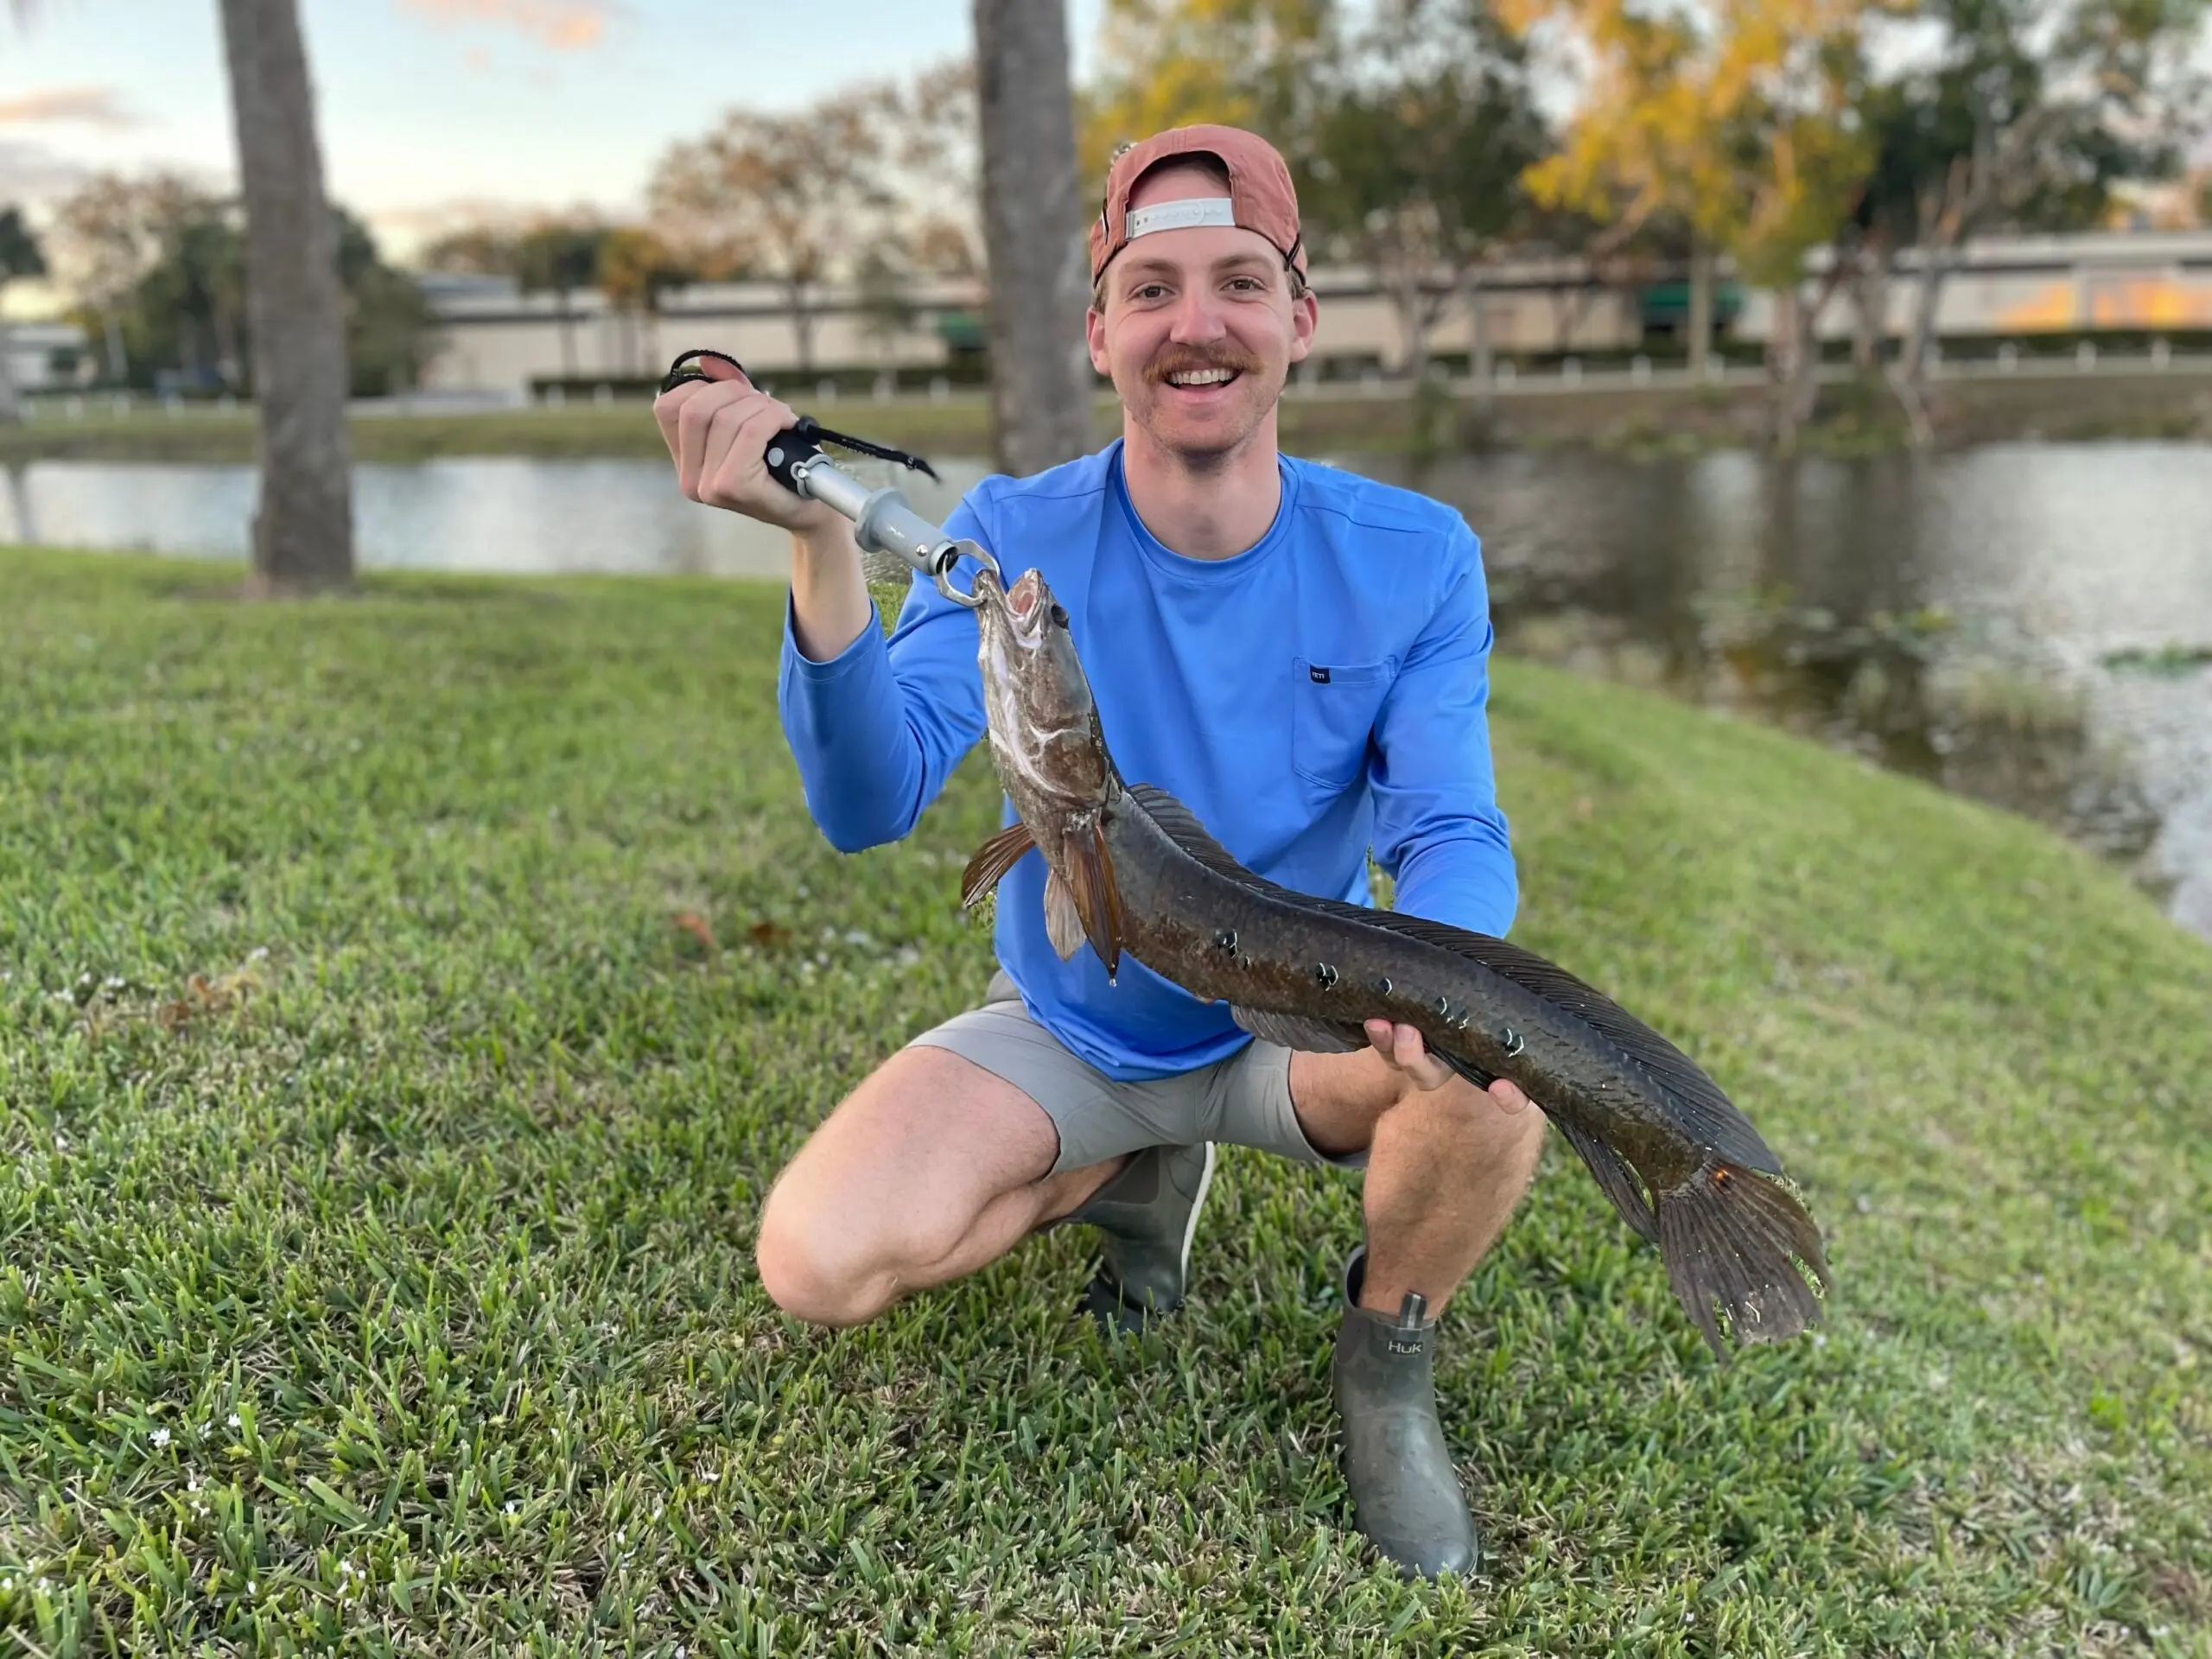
x: 1033, y: 223
x: 303, y: 532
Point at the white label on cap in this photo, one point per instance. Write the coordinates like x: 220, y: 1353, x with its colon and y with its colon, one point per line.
x: 1182, y: 215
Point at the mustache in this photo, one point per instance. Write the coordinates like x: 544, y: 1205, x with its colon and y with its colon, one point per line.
x: 1187, y: 359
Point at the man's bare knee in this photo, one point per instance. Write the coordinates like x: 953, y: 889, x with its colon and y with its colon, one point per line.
x: 809, y: 1270
x: 821, y: 1263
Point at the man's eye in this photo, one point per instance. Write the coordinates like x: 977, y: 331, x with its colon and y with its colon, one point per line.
x: 1149, y: 291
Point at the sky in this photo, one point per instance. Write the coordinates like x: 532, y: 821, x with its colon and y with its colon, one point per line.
x: 429, y: 109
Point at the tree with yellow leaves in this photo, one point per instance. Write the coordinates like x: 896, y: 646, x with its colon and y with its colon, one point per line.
x: 1732, y: 123
x: 1169, y: 63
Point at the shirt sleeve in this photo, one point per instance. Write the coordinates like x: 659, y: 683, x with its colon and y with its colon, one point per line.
x: 1438, y: 828
x: 878, y: 728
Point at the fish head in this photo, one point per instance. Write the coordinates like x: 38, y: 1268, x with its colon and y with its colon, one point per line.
x: 1045, y: 732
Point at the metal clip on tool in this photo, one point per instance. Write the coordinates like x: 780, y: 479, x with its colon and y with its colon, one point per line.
x: 882, y: 521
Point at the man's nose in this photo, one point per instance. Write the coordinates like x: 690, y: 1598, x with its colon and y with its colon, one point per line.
x: 1196, y: 318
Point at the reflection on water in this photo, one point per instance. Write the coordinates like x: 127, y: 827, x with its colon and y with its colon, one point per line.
x: 488, y: 513
x: 2030, y: 625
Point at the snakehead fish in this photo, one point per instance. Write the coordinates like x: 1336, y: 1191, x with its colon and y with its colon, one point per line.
x: 1131, y: 869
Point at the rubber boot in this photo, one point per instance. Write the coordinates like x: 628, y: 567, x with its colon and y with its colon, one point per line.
x: 1404, y: 1494
x: 1145, y: 1217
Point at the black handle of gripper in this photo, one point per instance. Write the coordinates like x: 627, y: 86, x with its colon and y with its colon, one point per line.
x: 787, y: 449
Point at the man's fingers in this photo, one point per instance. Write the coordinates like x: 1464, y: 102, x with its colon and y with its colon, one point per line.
x: 695, y: 423
x: 1508, y: 1095
x: 666, y: 408
x: 736, y: 441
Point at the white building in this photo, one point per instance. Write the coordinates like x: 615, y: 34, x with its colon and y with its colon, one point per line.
x: 49, y: 356
x: 501, y: 343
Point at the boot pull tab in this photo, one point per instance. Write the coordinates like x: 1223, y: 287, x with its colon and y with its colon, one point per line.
x: 1407, y: 1338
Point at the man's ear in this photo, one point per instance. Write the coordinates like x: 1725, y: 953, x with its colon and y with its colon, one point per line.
x: 1094, y: 330
x: 1305, y: 318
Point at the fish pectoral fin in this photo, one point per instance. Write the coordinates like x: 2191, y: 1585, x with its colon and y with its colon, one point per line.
x: 1290, y: 1031
x: 1097, y: 898
x: 1614, y: 1175
x: 992, y: 860
x: 1062, y: 921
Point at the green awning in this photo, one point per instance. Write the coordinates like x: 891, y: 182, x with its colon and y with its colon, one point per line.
x: 962, y: 331
x: 1666, y: 301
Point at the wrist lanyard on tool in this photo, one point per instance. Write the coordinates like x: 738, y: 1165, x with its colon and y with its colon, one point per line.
x: 881, y: 520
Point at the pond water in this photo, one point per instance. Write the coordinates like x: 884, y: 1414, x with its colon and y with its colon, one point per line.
x: 2028, y: 624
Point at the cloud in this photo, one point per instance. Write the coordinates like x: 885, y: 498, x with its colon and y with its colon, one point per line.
x: 95, y: 106
x: 563, y: 25
x: 31, y: 172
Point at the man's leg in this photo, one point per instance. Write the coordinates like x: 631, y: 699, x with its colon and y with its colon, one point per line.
x: 1445, y: 1168
x: 931, y: 1168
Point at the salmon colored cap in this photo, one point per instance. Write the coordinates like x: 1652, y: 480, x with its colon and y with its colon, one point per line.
x: 1259, y: 198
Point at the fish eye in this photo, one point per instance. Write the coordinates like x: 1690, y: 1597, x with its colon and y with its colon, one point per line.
x: 1059, y: 614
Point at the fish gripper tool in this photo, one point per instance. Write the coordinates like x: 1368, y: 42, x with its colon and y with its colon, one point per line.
x: 882, y: 520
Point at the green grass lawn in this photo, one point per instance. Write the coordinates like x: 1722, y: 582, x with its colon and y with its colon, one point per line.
x: 383, y: 1159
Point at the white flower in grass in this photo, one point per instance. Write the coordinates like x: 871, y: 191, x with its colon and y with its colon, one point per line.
x: 234, y: 1419
x: 161, y: 1437
x: 513, y: 1508
x: 252, y: 1587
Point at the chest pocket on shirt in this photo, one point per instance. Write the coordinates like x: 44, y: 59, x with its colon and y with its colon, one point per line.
x: 1333, y: 706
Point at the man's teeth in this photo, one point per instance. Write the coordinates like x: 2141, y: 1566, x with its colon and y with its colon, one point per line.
x: 1201, y: 377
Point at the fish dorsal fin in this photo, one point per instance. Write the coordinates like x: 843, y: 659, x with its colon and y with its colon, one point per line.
x: 1182, y: 827
x: 1703, y: 1110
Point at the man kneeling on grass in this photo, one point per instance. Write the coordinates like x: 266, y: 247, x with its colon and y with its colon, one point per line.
x: 1300, y: 655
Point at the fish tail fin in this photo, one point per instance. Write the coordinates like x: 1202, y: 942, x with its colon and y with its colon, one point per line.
x: 1729, y: 1236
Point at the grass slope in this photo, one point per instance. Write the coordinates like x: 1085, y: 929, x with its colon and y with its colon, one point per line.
x: 386, y: 1288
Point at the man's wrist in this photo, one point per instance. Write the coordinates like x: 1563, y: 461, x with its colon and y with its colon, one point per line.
x: 825, y: 544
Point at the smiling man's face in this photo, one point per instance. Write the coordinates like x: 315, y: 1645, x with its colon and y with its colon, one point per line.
x: 1197, y: 329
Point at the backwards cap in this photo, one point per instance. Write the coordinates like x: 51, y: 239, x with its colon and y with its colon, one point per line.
x: 1260, y: 197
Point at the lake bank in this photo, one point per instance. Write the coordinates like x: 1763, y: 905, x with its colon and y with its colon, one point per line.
x: 1611, y: 412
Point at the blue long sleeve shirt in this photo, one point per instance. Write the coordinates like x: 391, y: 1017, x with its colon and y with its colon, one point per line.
x: 1321, y: 693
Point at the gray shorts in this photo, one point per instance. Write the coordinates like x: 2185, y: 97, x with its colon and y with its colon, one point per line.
x: 1243, y: 1100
